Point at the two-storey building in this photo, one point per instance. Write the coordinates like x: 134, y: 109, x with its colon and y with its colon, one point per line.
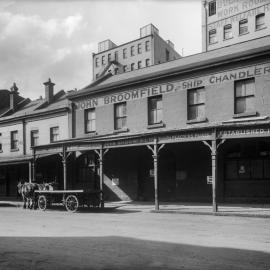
x: 194, y: 129
x: 24, y: 124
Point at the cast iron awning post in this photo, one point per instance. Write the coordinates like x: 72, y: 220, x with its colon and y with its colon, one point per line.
x: 214, y: 152
x: 101, y: 153
x: 155, y: 150
x: 64, y: 156
x: 33, y: 165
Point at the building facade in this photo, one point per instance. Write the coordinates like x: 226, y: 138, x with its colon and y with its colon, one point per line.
x: 194, y: 129
x: 227, y: 22
x: 149, y: 49
x: 25, y: 124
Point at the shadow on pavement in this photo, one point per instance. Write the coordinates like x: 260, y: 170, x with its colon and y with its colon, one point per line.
x: 122, y: 253
x: 85, y: 210
x: 3, y: 204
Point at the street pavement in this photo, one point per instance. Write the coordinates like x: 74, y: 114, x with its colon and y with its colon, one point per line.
x: 130, y: 237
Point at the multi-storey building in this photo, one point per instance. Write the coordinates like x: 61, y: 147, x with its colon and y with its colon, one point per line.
x: 25, y: 124
x: 226, y: 22
x: 171, y: 130
x: 149, y: 49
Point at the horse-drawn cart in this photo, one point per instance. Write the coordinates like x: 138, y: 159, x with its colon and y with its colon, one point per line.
x: 71, y: 199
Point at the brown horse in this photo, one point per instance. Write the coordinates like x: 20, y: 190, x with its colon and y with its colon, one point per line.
x: 27, y: 191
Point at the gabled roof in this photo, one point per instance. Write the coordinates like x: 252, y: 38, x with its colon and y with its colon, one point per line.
x: 38, y: 106
x: 183, y: 65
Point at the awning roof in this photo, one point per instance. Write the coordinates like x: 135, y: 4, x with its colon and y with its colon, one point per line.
x: 15, y: 160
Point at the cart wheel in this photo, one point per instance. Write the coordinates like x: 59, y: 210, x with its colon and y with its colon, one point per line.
x: 72, y: 203
x: 42, y: 202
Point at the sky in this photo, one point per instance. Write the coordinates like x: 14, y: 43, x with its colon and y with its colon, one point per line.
x: 41, y: 39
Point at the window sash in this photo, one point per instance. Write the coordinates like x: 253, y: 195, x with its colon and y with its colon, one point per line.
x: 260, y: 21
x: 124, y: 53
x: 196, y: 104
x: 245, y: 96
x: 243, y: 27
x: 147, y: 46
x: 139, y: 64
x: 34, y: 138
x: 228, y: 31
x: 132, y: 50
x: 54, y: 134
x: 14, y: 144
x: 212, y: 36
x: 244, y: 104
x: 120, y: 112
x: 97, y: 62
x: 90, y: 120
x: 139, y: 48
x: 212, y: 8
x: 155, y: 110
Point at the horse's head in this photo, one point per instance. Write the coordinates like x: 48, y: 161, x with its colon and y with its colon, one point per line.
x: 19, y: 187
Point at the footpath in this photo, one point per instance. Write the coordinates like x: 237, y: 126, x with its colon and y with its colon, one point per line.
x: 224, y: 209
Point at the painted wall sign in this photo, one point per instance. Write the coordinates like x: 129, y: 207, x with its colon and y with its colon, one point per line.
x: 235, y: 16
x: 191, y: 136
x: 240, y: 133
x: 132, y: 141
x: 213, y: 79
x: 227, y: 8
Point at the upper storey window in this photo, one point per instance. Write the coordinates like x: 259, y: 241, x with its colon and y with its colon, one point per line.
x: 120, y: 115
x: 244, y: 96
x: 14, y: 141
x: 97, y: 62
x: 90, y: 120
x: 155, y: 110
x: 196, y: 104
x: 212, y: 36
x: 228, y: 31
x: 260, y: 21
x: 132, y: 50
x: 243, y: 27
x: 212, y: 8
x: 54, y: 134
x: 139, y: 48
x: 125, y: 53
x: 34, y: 137
x: 147, y: 45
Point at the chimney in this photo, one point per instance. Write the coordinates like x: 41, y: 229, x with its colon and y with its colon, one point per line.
x: 12, y: 96
x: 49, y: 91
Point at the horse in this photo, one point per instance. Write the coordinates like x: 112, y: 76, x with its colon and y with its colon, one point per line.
x: 27, y: 191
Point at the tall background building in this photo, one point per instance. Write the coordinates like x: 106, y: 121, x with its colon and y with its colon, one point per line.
x: 226, y: 22
x: 149, y: 49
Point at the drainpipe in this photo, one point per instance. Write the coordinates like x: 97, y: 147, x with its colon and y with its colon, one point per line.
x: 206, y: 21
